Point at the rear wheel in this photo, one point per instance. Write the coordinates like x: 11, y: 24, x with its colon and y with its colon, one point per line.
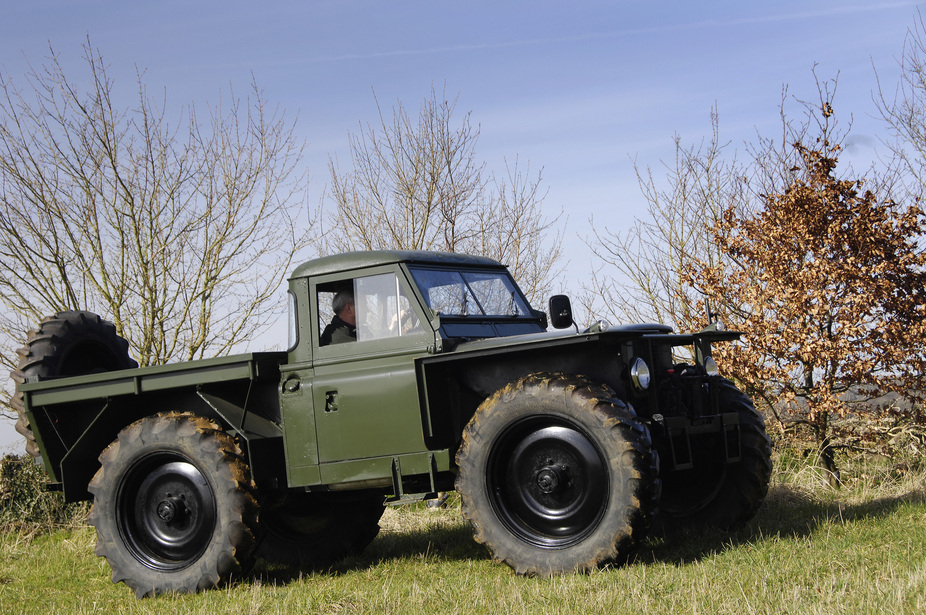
x: 315, y: 530
x: 715, y: 493
x: 556, y: 475
x: 66, y: 344
x: 173, y: 506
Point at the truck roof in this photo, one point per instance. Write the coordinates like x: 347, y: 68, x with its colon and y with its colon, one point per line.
x: 373, y: 258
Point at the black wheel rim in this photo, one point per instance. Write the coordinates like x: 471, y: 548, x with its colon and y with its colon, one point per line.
x: 166, y: 512
x: 548, y: 482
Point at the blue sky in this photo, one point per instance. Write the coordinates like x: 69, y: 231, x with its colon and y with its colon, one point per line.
x: 577, y: 89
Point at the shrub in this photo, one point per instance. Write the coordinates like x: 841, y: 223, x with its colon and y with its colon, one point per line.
x: 26, y: 505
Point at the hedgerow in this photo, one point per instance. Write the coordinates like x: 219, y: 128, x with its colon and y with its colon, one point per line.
x: 25, y: 503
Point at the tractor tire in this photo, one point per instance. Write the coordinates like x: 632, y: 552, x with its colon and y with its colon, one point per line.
x: 173, y: 506
x: 315, y: 530
x: 557, y: 475
x: 66, y: 344
x: 715, y: 494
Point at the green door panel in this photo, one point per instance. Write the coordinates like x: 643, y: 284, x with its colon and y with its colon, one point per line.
x: 367, y: 408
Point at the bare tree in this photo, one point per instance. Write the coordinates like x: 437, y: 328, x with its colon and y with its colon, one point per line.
x: 178, y: 230
x: 514, y: 230
x: 904, y: 113
x: 640, y: 270
x: 416, y: 184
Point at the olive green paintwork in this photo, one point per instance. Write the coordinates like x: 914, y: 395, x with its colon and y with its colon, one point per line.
x: 354, y: 261
x: 351, y: 412
x: 383, y: 412
x: 75, y: 418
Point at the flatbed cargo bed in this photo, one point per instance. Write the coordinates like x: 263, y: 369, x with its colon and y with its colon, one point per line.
x: 251, y: 366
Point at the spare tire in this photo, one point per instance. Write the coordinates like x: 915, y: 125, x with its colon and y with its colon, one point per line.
x: 69, y: 343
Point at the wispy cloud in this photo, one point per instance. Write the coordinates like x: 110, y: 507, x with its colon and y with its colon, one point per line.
x: 804, y: 15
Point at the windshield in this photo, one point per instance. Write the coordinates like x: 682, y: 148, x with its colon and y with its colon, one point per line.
x: 470, y: 293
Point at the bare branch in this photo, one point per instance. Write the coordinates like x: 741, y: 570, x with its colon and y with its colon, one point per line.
x: 416, y: 184
x: 180, y: 231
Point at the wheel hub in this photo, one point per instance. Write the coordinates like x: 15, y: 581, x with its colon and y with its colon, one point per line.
x: 550, y: 483
x: 549, y: 479
x: 169, y: 509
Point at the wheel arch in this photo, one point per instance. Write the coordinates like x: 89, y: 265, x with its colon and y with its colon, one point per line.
x: 74, y: 463
x: 453, y: 386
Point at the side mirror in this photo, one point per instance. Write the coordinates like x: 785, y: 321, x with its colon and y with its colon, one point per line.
x: 560, y: 312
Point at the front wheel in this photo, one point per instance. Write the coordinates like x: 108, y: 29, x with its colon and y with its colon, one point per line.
x: 556, y: 475
x: 173, y: 506
x: 716, y: 494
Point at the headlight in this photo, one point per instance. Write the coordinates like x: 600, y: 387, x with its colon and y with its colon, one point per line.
x: 639, y: 374
x: 711, y: 367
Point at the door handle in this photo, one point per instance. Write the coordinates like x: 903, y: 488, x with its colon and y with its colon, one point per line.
x: 331, y: 401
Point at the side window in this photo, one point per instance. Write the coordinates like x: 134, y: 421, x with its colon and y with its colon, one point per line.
x: 336, y: 313
x: 371, y: 308
x: 325, y: 311
x: 383, y: 309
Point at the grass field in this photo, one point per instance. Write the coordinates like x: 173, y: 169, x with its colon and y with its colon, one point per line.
x: 811, y: 549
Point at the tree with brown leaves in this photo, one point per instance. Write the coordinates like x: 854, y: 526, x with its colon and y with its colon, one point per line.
x: 828, y: 282
x: 822, y: 271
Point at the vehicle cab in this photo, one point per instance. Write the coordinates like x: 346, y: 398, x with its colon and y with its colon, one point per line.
x: 350, y: 407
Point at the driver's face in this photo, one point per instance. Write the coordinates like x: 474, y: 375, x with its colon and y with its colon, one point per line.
x: 348, y: 314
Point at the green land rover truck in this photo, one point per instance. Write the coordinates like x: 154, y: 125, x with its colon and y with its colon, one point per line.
x: 565, y: 447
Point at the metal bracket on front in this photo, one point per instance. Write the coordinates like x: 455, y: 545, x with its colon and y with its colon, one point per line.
x: 679, y: 442
x: 731, y: 437
x: 398, y: 487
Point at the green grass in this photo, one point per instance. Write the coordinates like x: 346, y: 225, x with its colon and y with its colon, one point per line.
x: 810, y: 549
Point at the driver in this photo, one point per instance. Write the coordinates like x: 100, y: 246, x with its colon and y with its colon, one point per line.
x: 343, y: 326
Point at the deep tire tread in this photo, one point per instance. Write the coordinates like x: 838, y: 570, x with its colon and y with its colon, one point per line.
x: 46, y: 348
x: 608, y: 416
x: 219, y: 457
